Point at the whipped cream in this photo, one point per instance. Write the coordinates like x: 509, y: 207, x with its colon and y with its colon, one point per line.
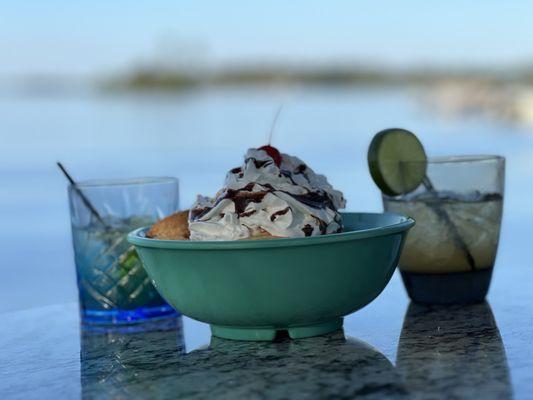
x: 261, y: 198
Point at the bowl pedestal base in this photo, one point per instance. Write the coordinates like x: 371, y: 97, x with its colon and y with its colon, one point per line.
x: 269, y: 334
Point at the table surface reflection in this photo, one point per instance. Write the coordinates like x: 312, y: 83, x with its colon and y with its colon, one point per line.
x: 390, y: 349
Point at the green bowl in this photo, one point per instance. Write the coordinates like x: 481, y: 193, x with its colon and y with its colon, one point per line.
x: 250, y: 289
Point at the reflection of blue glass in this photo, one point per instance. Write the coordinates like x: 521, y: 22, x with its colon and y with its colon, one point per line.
x: 453, y: 351
x: 113, y: 285
x: 151, y: 365
x: 115, y: 360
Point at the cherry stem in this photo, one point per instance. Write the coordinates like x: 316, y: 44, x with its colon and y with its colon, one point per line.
x: 273, y: 126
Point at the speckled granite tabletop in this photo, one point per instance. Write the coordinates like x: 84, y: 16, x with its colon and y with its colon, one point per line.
x: 390, y: 349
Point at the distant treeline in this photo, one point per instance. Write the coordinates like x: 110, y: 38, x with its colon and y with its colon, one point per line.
x: 147, y: 79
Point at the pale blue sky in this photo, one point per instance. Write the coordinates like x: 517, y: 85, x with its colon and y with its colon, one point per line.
x: 85, y: 36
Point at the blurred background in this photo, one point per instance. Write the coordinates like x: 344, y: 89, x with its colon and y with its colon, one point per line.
x: 123, y: 89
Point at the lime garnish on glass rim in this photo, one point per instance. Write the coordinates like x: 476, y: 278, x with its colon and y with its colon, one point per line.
x: 397, y: 161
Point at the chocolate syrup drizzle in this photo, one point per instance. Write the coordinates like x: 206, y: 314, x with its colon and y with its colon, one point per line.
x: 259, y: 163
x: 308, y: 230
x: 278, y: 213
x: 243, y: 197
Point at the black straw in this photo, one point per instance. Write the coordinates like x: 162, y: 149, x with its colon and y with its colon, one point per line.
x: 441, y: 212
x: 80, y: 193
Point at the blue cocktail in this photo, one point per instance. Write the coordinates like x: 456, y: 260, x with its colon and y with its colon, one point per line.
x: 113, y: 285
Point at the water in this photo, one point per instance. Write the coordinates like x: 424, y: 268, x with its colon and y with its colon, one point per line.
x: 432, y: 245
x: 198, y: 136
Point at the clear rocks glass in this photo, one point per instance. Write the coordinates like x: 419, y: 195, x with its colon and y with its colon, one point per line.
x: 449, y: 254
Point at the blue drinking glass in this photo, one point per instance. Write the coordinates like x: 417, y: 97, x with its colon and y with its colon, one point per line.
x: 113, y: 285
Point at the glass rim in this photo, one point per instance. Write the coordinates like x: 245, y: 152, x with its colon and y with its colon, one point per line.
x: 465, y: 158
x: 110, y: 182
x: 461, y: 159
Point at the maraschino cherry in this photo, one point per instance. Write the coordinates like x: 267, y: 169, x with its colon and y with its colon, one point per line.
x: 272, y: 152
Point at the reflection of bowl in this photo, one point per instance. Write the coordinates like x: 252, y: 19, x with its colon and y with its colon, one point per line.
x: 328, y: 367
x: 250, y: 289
